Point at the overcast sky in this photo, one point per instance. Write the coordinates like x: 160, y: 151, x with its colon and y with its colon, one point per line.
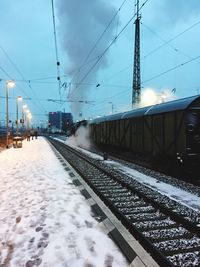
x: 27, y: 53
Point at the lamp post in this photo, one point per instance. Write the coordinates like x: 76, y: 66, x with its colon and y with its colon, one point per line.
x: 29, y: 117
x: 19, y: 98
x: 24, y: 107
x: 112, y: 106
x: 9, y: 84
x: 26, y: 117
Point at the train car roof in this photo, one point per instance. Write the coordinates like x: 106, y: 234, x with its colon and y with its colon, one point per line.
x: 112, y: 117
x: 122, y: 115
x: 135, y: 113
x: 179, y: 104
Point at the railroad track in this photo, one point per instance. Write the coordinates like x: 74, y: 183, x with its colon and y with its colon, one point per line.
x: 171, y: 234
x: 187, y: 173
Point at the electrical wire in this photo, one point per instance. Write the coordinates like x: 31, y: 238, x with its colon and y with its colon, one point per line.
x: 100, y: 37
x: 172, y: 39
x: 5, y: 72
x: 158, y: 75
x: 165, y: 43
x: 56, y: 47
x: 20, y: 73
x: 171, y: 69
x: 106, y: 50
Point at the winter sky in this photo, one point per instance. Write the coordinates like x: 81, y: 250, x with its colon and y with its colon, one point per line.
x: 169, y: 38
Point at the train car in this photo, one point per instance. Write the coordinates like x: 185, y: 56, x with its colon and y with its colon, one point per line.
x: 170, y: 129
x: 75, y: 126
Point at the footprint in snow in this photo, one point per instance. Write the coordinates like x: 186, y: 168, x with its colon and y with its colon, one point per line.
x: 108, y: 260
x: 90, y: 245
x: 88, y: 224
x: 88, y: 264
x: 32, y: 263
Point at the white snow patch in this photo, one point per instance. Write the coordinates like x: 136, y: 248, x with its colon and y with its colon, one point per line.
x: 43, y: 217
x: 81, y: 138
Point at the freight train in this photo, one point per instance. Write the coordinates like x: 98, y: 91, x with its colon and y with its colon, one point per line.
x: 168, y: 130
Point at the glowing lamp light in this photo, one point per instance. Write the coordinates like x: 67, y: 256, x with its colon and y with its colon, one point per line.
x: 10, y: 84
x: 149, y: 97
x: 29, y: 116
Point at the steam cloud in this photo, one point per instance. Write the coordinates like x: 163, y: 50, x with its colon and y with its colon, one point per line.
x: 80, y: 139
x: 81, y: 24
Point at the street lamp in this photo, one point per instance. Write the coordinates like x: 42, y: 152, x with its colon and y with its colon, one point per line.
x: 9, y: 84
x: 24, y: 107
x: 19, y: 98
x: 26, y: 111
x: 29, y: 117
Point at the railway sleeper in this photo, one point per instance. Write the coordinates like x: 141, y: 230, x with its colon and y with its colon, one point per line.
x: 154, y: 225
x: 124, y: 199
x: 141, y: 217
x: 112, y: 188
x: 180, y: 259
x: 127, y: 204
x: 137, y: 209
x: 110, y: 195
x: 180, y: 245
x: 167, y: 234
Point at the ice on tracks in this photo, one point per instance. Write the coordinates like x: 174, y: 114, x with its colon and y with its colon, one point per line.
x: 43, y: 218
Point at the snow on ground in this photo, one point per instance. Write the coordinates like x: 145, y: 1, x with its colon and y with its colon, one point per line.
x: 185, y: 198
x: 44, y: 220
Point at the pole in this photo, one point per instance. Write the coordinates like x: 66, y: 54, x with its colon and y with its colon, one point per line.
x: 27, y: 120
x: 6, y: 115
x: 136, y: 86
x: 17, y: 116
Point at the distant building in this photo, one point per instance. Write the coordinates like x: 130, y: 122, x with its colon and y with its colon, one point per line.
x: 60, y: 121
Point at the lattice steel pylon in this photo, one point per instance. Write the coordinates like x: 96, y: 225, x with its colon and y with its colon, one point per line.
x: 136, y: 88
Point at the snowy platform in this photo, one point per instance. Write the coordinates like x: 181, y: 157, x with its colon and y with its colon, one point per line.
x: 50, y: 217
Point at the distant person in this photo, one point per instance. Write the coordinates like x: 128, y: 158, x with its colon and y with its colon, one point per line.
x: 32, y: 134
x: 36, y: 134
x: 28, y: 136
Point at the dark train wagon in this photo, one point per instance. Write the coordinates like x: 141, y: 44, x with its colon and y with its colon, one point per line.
x: 170, y: 129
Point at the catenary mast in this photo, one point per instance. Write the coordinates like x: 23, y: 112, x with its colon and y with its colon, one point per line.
x: 136, y: 88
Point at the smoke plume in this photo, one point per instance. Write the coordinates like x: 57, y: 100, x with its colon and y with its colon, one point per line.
x: 81, y: 24
x: 81, y: 138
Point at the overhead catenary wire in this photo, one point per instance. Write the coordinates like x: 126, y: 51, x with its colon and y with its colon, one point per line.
x: 108, y: 47
x: 20, y: 73
x: 167, y: 43
x: 172, y: 39
x: 160, y: 74
x: 11, y: 78
x: 5, y: 72
x: 85, y: 61
x: 100, y: 37
x: 56, y: 47
x: 171, y: 69
x: 161, y: 46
